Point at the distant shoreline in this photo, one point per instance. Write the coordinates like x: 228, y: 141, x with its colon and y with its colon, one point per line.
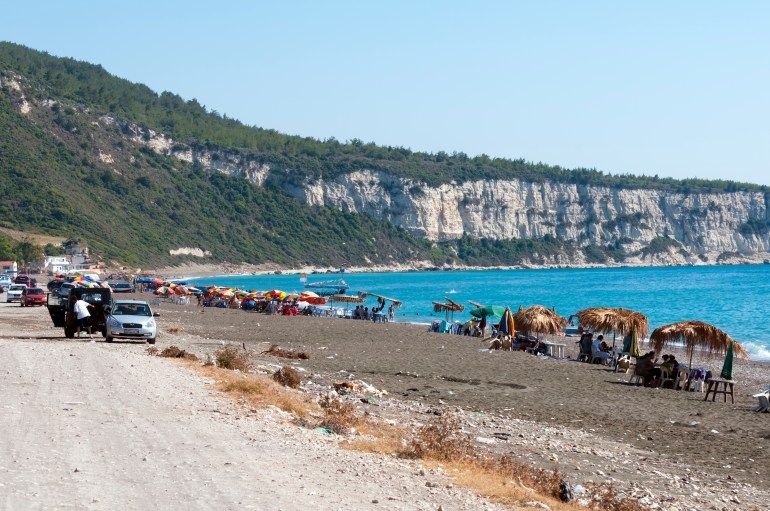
x: 214, y: 270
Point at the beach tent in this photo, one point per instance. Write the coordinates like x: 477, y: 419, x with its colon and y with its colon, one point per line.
x: 696, y: 334
x: 540, y: 320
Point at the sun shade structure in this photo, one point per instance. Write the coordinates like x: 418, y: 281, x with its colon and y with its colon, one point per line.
x: 491, y: 310
x: 364, y: 294
x: 540, y: 320
x: 696, y: 334
x: 346, y: 298
x: 449, y: 306
x: 608, y: 319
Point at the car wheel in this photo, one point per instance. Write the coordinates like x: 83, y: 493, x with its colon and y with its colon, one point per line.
x: 108, y: 338
x: 151, y: 341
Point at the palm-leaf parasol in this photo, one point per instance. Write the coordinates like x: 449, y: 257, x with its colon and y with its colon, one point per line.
x: 694, y: 333
x: 614, y: 319
x: 539, y: 319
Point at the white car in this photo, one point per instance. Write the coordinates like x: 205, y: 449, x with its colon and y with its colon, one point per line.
x: 131, y: 319
x: 5, y: 282
x: 14, y: 292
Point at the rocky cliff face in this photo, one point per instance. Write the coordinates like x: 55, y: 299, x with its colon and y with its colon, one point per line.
x: 641, y: 226
x: 701, y: 227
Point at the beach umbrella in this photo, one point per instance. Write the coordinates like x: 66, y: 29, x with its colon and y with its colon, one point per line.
x: 727, y: 367
x: 615, y: 320
x: 696, y: 334
x: 631, y: 345
x: 488, y: 311
x: 540, y: 320
x: 507, y: 324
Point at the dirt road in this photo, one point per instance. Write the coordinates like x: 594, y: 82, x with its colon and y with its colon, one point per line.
x: 95, y: 426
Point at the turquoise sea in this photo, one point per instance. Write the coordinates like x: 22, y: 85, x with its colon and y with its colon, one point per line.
x: 734, y: 298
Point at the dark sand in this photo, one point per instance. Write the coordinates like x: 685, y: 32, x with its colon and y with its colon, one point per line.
x: 407, y: 361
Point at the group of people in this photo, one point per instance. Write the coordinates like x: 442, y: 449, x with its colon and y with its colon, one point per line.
x: 362, y: 312
x: 652, y: 374
x: 594, y: 347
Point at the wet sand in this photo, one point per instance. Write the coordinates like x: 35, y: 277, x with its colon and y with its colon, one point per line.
x: 407, y: 361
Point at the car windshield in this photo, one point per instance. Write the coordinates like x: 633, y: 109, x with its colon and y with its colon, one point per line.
x: 131, y: 309
x: 121, y: 285
x: 93, y: 298
x: 18, y: 288
x: 35, y: 291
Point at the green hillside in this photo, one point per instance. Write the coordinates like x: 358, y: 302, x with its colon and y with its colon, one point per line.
x: 189, y: 122
x: 135, y: 210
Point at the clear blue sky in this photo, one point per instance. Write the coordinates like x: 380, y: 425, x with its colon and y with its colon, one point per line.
x: 676, y: 88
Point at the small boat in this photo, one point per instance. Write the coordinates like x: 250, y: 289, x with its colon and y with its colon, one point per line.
x: 328, y: 287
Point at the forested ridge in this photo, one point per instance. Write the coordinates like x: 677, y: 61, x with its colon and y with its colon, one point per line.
x: 189, y: 122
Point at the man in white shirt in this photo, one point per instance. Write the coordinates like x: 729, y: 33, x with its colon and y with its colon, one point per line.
x: 83, y: 315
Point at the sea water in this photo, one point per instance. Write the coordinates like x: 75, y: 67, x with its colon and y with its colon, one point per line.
x: 734, y: 298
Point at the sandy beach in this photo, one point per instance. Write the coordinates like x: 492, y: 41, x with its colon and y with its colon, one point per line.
x: 671, y: 449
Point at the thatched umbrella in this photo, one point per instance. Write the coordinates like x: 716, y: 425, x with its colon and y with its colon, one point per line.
x: 539, y: 319
x: 616, y: 320
x: 694, y: 334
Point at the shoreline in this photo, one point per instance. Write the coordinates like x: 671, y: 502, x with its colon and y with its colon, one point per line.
x: 189, y: 270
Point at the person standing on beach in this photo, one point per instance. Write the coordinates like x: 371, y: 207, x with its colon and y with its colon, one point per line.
x: 83, y: 315
x: 483, y: 325
x: 391, y: 312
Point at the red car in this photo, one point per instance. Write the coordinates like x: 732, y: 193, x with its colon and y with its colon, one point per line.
x: 32, y: 296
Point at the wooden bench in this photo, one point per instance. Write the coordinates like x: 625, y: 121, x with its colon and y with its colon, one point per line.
x: 714, y: 388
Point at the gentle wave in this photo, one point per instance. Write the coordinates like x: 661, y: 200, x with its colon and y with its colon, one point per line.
x: 757, y: 351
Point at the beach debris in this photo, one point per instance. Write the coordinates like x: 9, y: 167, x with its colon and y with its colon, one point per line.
x: 176, y: 352
x: 277, y: 351
x: 288, y: 377
x: 357, y: 386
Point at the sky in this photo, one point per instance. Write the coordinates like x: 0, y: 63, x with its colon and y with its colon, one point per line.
x: 678, y: 89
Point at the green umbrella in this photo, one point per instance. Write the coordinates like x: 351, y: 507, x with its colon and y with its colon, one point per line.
x: 631, y: 345
x: 491, y: 310
x: 727, y: 368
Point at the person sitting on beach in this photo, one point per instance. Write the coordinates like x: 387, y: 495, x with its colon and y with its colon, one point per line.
x: 596, y: 349
x: 644, y: 367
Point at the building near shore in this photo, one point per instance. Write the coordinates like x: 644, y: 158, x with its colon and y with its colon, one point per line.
x: 57, y: 264
x: 9, y: 267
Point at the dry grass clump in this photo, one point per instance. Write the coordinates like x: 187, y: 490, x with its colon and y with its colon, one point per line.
x: 175, y: 329
x: 288, y: 377
x: 260, y: 391
x: 441, y: 440
x: 277, y: 351
x: 339, y: 417
x: 152, y: 350
x: 606, y: 497
x: 233, y: 358
x: 175, y: 352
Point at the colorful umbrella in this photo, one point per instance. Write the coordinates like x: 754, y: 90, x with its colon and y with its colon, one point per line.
x: 485, y: 312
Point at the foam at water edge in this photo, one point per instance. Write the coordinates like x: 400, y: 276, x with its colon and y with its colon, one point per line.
x: 757, y: 351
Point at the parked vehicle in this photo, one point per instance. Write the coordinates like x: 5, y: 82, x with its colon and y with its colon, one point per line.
x: 61, y: 307
x: 25, y: 279
x: 131, y: 319
x: 32, y: 296
x: 5, y: 282
x: 122, y: 287
x: 14, y: 292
